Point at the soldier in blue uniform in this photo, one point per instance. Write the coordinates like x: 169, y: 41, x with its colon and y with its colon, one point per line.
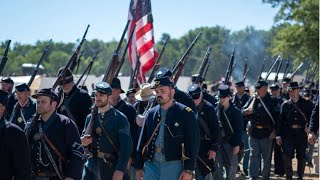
x: 130, y: 96
x: 209, y: 134
x: 295, y: 113
x: 143, y: 96
x: 25, y: 108
x: 231, y: 122
x: 54, y: 140
x: 15, y: 157
x: 206, y: 96
x: 261, y: 110
x: 7, y: 85
x: 314, y: 125
x: 75, y: 103
x: 277, y: 158
x: 180, y: 96
x: 239, y: 99
x: 284, y: 91
x: 170, y: 138
x: 107, y: 137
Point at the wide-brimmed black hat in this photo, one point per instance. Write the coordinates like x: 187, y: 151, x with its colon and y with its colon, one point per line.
x: 22, y: 87
x: 286, y: 80
x: 224, y: 90
x: 103, y: 87
x: 67, y: 78
x: 274, y: 87
x: 6, y: 80
x: 240, y: 83
x: 259, y: 84
x: 158, y: 82
x: 194, y: 91
x: 293, y: 85
x: 163, y: 72
x: 3, y: 97
x: 116, y: 84
x: 46, y: 92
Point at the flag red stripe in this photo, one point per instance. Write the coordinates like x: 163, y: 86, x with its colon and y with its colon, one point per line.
x: 141, y: 31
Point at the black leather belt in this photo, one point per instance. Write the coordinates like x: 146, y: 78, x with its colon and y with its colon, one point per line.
x: 46, y: 174
x: 262, y: 127
x: 100, y: 154
x: 296, y: 126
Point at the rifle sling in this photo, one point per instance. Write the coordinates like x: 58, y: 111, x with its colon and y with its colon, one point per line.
x: 108, y: 137
x: 265, y: 107
x: 296, y: 107
x: 55, y: 150
x: 204, y: 124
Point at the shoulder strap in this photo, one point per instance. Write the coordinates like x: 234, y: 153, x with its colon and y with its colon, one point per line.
x: 265, y: 108
x: 202, y: 122
x: 152, y: 135
x: 107, y: 136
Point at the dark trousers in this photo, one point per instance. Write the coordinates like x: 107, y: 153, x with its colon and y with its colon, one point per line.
x: 278, y: 161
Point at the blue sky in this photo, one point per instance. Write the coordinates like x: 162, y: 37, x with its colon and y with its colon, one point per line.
x: 28, y: 21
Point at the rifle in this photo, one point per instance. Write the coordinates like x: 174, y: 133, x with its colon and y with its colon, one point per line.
x: 4, y: 57
x: 88, y: 69
x: 234, y: 65
x: 245, y: 67
x: 78, y: 61
x: 229, y: 69
x: 177, y: 70
x: 314, y: 74
x: 245, y: 74
x: 203, y: 65
x: 278, y: 70
x: 75, y: 55
x: 134, y: 73
x: 157, y: 63
x: 108, y: 76
x: 271, y: 68
x: 295, y: 71
x: 260, y: 76
x: 206, y: 70
x: 125, y: 52
x: 285, y: 69
x: 36, y: 69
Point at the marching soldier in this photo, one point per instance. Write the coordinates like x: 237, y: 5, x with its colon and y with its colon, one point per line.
x: 180, y: 96
x: 25, y: 108
x: 75, y: 103
x: 206, y: 96
x: 54, y: 139
x: 260, y: 109
x: 239, y: 99
x: 15, y: 157
x: 110, y: 143
x: 314, y: 125
x: 284, y: 91
x: 231, y: 122
x: 7, y: 85
x: 277, y: 158
x: 209, y: 134
x: 295, y: 113
x: 130, y: 96
x: 170, y: 138
x: 143, y: 96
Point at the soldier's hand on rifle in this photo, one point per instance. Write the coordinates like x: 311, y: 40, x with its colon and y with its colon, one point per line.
x: 139, y: 120
x: 212, y: 154
x: 236, y: 149
x: 279, y: 141
x: 248, y: 111
x: 86, y: 140
x: 272, y: 135
x: 185, y: 176
x: 139, y: 174
x: 117, y: 175
x: 312, y: 138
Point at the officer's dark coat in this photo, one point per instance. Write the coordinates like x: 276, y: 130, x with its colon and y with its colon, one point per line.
x: 239, y: 103
x: 260, y: 117
x: 314, y: 120
x: 181, y: 127
x: 207, y: 113
x: 28, y: 111
x: 118, y: 128
x: 236, y: 121
x: 79, y: 103
x: 64, y: 135
x: 15, y: 157
x: 290, y: 115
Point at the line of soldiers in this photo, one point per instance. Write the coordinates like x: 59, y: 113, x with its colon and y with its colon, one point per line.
x: 164, y: 134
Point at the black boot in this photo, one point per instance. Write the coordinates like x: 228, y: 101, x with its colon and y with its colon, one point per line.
x: 301, y: 166
x: 287, y: 161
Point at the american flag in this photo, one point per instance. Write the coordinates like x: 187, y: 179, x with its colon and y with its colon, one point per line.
x: 141, y: 46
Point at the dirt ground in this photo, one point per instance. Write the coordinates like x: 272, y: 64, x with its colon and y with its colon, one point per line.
x: 309, y: 172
